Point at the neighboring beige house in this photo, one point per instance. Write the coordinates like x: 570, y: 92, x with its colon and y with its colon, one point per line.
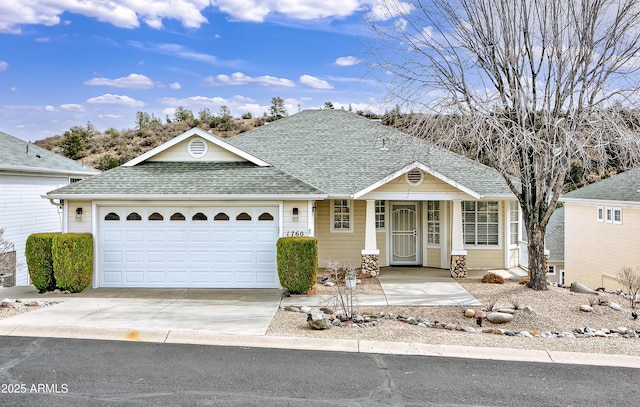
x: 602, y: 230
x: 199, y: 211
x: 26, y: 172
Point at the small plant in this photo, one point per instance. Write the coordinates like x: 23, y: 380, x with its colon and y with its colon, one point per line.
x: 515, y: 304
x: 594, y: 300
x: 492, y: 278
x: 525, y: 280
x: 491, y: 304
x: 630, y: 281
x: 350, y: 273
x: 333, y: 266
x: 343, y: 297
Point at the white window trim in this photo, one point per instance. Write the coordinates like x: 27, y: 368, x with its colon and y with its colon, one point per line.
x: 331, y: 218
x: 552, y: 273
x: 438, y: 222
x: 608, y: 215
x: 513, y: 222
x: 600, y: 213
x: 613, y: 218
x: 383, y: 213
x: 500, y: 232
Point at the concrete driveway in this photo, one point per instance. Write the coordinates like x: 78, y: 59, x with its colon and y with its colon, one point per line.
x: 218, y: 311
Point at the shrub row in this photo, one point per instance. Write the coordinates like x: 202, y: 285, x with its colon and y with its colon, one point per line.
x: 297, y: 263
x: 63, y: 260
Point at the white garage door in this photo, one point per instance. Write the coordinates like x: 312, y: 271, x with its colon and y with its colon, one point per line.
x: 214, y: 247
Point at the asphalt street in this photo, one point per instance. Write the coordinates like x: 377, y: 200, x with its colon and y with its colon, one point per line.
x: 73, y: 372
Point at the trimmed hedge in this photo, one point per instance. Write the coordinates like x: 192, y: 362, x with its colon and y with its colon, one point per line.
x: 40, y: 261
x: 73, y: 260
x: 297, y: 263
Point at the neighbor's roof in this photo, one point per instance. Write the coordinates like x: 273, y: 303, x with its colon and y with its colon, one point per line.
x: 623, y: 187
x: 342, y: 153
x: 554, y: 236
x: 21, y: 156
x: 182, y: 180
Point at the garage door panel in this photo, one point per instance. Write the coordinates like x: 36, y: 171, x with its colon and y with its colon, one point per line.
x: 189, y: 253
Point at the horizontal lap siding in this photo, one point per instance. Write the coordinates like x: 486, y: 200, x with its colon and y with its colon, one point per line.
x: 429, y: 184
x: 485, y: 259
x: 345, y: 246
x: 75, y: 226
x: 180, y: 152
x: 596, y: 251
x: 433, y: 257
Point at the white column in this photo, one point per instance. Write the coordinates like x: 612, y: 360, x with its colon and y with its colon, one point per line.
x: 457, y: 241
x: 370, y: 244
x: 311, y: 218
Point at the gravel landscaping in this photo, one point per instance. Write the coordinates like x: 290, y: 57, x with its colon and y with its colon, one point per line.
x: 547, y: 320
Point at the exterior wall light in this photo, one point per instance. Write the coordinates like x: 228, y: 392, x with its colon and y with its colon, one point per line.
x: 79, y: 214
x: 295, y: 214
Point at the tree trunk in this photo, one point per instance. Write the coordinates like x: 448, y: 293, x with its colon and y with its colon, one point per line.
x: 537, y: 260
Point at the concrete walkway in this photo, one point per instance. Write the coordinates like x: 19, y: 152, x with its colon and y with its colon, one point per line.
x: 241, y: 318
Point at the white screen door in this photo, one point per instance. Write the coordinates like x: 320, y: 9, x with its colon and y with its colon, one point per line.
x: 404, y: 233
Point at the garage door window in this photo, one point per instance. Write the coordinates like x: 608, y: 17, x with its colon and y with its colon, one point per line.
x: 199, y: 216
x: 156, y: 216
x: 221, y: 216
x: 112, y: 216
x: 177, y: 216
x: 266, y: 216
x: 243, y: 216
x: 134, y: 216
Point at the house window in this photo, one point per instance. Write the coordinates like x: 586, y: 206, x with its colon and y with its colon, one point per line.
x: 265, y: 216
x: 156, y: 216
x: 134, y: 216
x: 177, y: 216
x: 609, y: 212
x: 380, y: 214
x: 221, y: 216
x: 513, y: 223
x: 617, y: 216
x: 600, y: 214
x: 480, y: 223
x: 552, y: 270
x: 243, y: 216
x: 433, y: 222
x: 341, y: 219
x: 199, y: 216
x: 112, y: 216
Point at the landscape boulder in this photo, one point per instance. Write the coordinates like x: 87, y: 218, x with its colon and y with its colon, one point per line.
x: 317, y: 320
x: 581, y: 288
x: 499, y: 317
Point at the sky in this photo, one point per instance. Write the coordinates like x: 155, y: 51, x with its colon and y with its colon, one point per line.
x: 65, y: 63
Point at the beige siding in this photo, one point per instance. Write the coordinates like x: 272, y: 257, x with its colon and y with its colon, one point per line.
x: 83, y: 226
x: 381, y: 241
x: 291, y: 227
x: 433, y: 257
x: 180, y: 152
x: 485, y: 258
x: 555, y: 278
x: 429, y: 184
x: 596, y: 251
x: 342, y: 245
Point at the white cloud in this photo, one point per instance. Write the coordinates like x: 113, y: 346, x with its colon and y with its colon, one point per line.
x: 133, y: 81
x: 3, y: 66
x: 257, y: 10
x: 72, y: 107
x: 239, y: 78
x: 109, y: 99
x: 388, y: 9
x: 175, y: 85
x: 348, y: 61
x: 314, y: 82
x: 120, y: 13
x: 176, y: 50
x: 49, y: 108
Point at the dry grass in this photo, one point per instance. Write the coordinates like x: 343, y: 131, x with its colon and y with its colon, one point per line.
x: 555, y: 310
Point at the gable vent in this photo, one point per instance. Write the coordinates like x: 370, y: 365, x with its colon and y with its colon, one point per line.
x: 414, y: 177
x: 197, y: 148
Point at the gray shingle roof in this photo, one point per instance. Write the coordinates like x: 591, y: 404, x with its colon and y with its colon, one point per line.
x: 621, y: 187
x: 189, y: 178
x: 19, y: 155
x: 342, y: 153
x: 554, y: 238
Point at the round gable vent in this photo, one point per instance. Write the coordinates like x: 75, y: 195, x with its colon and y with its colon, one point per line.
x: 197, y: 148
x: 414, y: 177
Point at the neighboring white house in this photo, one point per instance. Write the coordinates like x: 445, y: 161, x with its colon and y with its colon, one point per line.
x: 26, y: 173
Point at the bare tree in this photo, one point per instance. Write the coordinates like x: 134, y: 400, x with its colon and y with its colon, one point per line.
x: 529, y: 87
x: 7, y: 262
x: 631, y: 281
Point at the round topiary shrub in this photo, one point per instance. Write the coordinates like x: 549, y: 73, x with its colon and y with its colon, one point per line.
x: 73, y: 260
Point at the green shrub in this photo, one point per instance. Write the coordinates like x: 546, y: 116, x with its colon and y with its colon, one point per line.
x: 493, y: 278
x: 297, y: 263
x: 73, y: 260
x: 40, y: 261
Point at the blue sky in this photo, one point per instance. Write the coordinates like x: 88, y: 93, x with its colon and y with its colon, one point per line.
x: 68, y: 62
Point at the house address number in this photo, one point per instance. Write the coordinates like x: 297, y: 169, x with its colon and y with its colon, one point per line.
x: 291, y: 233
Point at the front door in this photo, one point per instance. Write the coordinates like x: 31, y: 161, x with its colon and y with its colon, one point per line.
x: 404, y: 234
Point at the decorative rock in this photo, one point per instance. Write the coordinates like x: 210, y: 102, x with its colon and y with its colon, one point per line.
x: 291, y: 308
x: 507, y: 311
x: 469, y: 313
x: 305, y: 309
x: 528, y: 310
x: 480, y: 314
x: 615, y: 306
x: 499, y: 317
x: 600, y: 334
x: 329, y: 283
x: 470, y: 330
x: 326, y: 310
x: 581, y: 288
x: 586, y: 308
x: 316, y: 320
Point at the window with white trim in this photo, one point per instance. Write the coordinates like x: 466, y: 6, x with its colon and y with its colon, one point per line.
x: 433, y: 222
x: 380, y: 214
x: 609, y: 212
x: 600, y: 214
x: 552, y: 270
x: 480, y: 223
x: 513, y: 222
x: 341, y: 217
x: 617, y: 216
